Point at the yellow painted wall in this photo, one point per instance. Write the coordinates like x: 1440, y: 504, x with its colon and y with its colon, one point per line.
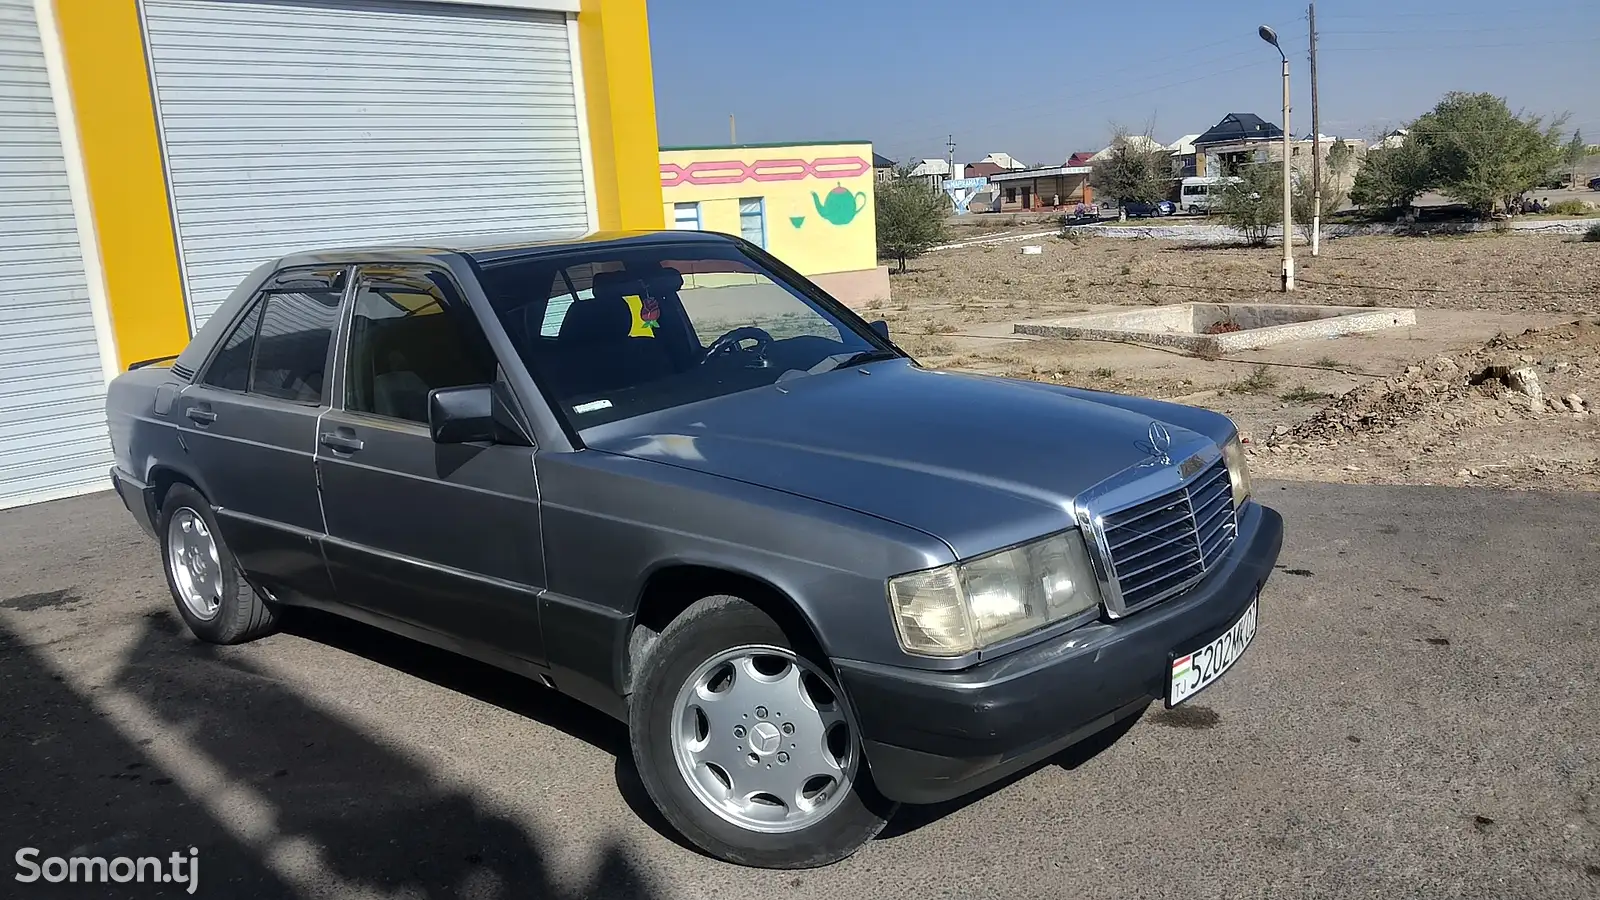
x: 841, y: 236
x: 614, y: 41
x: 103, y: 48
x: 104, y: 54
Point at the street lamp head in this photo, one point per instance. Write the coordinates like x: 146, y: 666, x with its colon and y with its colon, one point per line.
x: 1268, y: 35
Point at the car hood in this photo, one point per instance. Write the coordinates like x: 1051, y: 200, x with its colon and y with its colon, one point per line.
x: 979, y: 462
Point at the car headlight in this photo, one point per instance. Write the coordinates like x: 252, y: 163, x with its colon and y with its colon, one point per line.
x: 1238, y: 470
x: 965, y: 606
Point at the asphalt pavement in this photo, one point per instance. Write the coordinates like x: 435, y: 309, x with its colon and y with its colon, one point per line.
x: 1416, y: 718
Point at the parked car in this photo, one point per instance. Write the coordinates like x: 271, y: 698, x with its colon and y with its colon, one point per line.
x: 1594, y: 184
x: 668, y: 476
x: 1138, y: 209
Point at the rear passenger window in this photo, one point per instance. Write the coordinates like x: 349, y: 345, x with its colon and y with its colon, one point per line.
x: 292, y: 347
x: 408, y: 336
x: 230, y: 370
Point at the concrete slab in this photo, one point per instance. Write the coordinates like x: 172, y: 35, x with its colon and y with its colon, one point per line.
x: 1219, y: 328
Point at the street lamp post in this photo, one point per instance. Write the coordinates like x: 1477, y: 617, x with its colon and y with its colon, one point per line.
x: 1271, y: 37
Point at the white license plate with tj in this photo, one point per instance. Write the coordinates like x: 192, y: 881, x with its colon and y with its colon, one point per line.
x: 1192, y: 672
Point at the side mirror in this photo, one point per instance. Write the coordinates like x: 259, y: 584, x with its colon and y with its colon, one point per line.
x: 477, y: 413
x: 461, y: 415
x: 882, y: 328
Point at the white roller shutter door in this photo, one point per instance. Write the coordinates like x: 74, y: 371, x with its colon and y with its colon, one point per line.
x: 323, y: 123
x: 53, y: 438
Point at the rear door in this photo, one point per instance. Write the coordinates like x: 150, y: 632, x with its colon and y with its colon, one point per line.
x: 249, y: 422
x: 444, y: 537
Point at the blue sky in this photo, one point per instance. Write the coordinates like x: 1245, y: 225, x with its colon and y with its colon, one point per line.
x: 1041, y: 78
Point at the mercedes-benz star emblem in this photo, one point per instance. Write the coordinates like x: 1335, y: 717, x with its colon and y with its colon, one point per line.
x: 1160, y: 440
x: 764, y: 738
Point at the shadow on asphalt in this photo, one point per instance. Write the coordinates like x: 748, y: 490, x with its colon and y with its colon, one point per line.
x: 380, y: 822
x: 518, y: 695
x: 485, y: 683
x: 73, y: 785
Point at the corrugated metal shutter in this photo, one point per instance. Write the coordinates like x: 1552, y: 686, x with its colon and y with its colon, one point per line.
x: 294, y: 126
x: 53, y: 438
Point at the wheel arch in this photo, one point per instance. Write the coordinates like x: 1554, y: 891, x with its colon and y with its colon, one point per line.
x: 160, y: 479
x: 672, y: 587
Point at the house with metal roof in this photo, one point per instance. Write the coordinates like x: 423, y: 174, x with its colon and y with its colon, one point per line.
x: 1237, y: 140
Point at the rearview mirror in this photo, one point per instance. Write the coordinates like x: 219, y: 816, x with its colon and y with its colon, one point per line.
x: 882, y: 328
x: 461, y: 415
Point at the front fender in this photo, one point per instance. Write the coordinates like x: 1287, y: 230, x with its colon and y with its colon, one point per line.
x: 611, y: 522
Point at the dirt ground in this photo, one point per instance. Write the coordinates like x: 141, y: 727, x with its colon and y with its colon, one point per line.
x: 1387, y: 407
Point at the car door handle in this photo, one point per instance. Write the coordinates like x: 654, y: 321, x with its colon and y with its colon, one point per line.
x: 340, y: 443
x: 200, y: 415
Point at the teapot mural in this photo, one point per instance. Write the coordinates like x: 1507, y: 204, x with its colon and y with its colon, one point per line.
x: 840, y: 207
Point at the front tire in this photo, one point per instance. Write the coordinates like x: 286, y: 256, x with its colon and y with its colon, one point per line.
x: 212, y: 595
x: 746, y: 744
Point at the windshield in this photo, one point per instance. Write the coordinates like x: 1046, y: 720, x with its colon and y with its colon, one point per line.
x: 618, y: 332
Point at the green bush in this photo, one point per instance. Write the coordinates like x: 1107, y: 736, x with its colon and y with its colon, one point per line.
x: 1593, y: 234
x: 1570, y: 208
x: 1254, y: 203
x: 1261, y: 381
x: 910, y: 218
x: 1303, y: 394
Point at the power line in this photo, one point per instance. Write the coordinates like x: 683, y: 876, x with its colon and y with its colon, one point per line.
x: 1188, y: 66
x: 1102, y: 98
x: 1425, y: 32
x: 1446, y: 14
x: 1399, y: 48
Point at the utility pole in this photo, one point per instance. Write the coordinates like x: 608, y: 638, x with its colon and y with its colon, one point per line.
x: 733, y: 132
x: 1316, y: 144
x: 950, y: 143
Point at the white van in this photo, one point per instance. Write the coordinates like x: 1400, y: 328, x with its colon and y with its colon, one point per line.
x: 1199, y: 195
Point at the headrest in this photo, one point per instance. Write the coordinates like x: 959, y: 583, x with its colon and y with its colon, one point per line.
x: 605, y: 316
x: 616, y: 285
x: 660, y: 280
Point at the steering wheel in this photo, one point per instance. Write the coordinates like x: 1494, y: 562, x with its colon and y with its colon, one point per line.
x: 730, y: 342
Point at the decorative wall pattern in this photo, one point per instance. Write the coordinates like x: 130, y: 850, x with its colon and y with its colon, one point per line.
x: 733, y: 171
x: 816, y: 208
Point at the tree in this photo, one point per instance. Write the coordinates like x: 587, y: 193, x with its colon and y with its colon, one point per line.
x: 1392, y: 177
x: 1304, y: 200
x: 1482, y: 154
x: 1573, y: 156
x: 1254, y: 203
x: 911, y: 214
x: 1340, y: 157
x: 1135, y: 170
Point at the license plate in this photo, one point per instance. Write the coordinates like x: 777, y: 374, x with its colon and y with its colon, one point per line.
x: 1192, y: 672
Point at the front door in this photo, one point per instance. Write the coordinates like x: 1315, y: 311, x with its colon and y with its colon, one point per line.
x: 1027, y: 198
x: 250, y: 422
x: 442, y: 537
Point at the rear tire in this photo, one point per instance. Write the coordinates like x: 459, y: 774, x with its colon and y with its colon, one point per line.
x: 715, y: 755
x: 212, y: 595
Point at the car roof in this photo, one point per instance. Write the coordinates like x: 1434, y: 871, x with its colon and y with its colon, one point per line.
x: 489, y: 249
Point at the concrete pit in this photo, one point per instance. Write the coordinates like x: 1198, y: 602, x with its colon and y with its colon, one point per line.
x: 1220, y: 328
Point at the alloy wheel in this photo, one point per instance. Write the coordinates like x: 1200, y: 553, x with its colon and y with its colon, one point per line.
x: 763, y: 739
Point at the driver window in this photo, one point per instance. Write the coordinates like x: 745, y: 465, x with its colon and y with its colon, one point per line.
x: 410, y: 334
x: 719, y: 302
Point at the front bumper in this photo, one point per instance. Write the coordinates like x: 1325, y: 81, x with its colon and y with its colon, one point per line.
x: 931, y: 736
x: 138, y: 497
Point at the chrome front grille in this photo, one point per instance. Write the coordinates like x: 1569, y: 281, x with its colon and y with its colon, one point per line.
x: 1161, y: 546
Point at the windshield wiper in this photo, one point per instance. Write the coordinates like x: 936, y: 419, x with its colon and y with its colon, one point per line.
x: 840, y: 360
